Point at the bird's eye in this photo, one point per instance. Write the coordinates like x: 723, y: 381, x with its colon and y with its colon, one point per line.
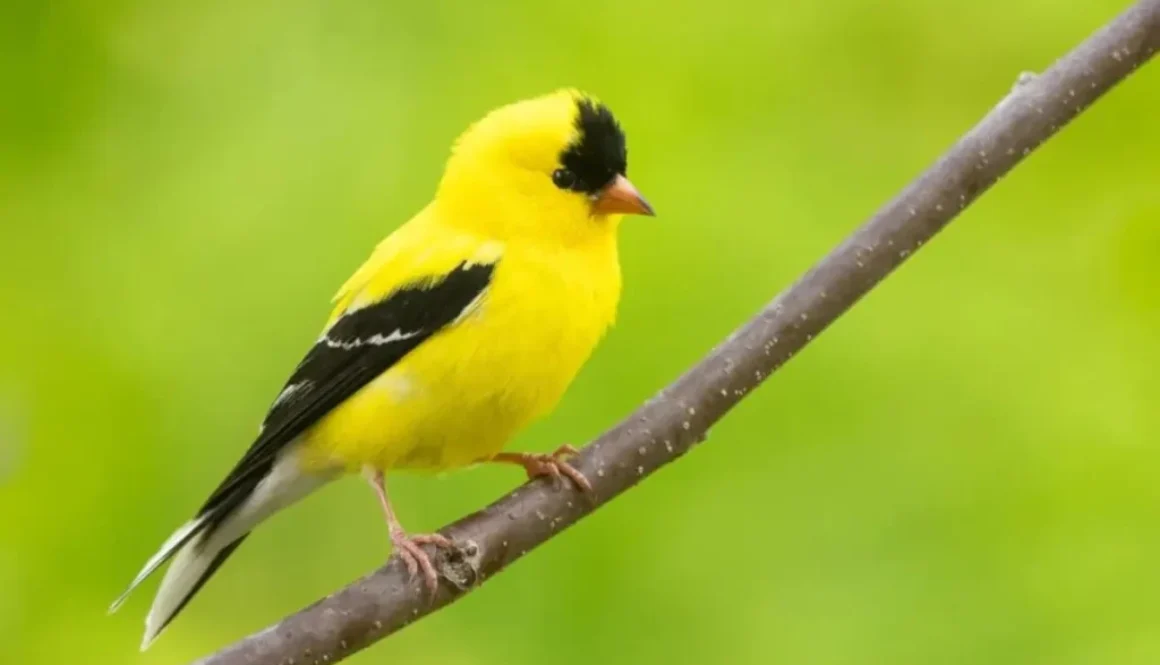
x: 564, y: 179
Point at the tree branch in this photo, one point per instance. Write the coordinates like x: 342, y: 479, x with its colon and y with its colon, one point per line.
x: 677, y: 419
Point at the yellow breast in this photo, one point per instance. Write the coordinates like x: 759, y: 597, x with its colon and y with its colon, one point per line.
x: 461, y: 395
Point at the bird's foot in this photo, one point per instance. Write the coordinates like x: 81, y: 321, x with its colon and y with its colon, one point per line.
x: 552, y: 465
x: 410, y: 550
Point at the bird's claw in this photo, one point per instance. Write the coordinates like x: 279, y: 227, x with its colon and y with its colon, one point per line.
x: 555, y: 467
x: 410, y: 551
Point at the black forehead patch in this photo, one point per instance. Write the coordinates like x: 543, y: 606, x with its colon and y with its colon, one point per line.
x: 598, y: 154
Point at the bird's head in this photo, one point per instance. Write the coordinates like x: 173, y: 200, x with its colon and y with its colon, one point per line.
x: 552, y: 168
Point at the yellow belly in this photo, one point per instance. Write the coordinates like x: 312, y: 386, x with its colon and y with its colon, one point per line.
x: 460, y: 396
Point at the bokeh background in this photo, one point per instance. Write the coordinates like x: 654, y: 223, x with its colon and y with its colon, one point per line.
x: 962, y: 470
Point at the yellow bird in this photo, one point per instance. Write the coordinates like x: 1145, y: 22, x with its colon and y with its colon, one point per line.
x: 464, y: 325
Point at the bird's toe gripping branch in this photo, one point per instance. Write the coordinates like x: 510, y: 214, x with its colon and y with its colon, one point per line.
x: 410, y: 551
x: 551, y: 465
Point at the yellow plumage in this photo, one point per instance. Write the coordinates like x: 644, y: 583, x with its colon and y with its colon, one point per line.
x: 465, y: 324
x: 460, y: 396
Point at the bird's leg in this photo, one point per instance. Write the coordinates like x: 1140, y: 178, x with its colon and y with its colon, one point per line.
x: 547, y: 464
x: 408, y: 546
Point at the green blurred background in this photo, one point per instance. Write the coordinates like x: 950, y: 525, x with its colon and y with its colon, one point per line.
x: 962, y: 470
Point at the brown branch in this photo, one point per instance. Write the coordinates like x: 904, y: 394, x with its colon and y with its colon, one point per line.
x: 677, y: 419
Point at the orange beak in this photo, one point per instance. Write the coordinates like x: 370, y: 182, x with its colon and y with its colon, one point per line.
x: 621, y: 197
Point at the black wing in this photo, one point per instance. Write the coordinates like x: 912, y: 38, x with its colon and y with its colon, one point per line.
x: 358, y: 347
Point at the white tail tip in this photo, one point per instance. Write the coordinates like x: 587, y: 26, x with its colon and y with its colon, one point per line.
x: 168, y: 548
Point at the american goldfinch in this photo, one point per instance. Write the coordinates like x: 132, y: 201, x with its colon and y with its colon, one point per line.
x: 465, y: 324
